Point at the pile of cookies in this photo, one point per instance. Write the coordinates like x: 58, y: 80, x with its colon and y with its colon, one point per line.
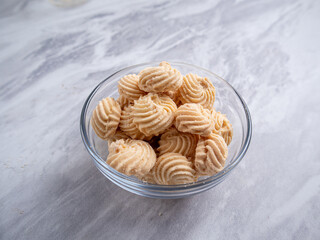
x: 163, y: 128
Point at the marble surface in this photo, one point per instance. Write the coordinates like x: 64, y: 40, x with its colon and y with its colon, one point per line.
x: 52, y: 57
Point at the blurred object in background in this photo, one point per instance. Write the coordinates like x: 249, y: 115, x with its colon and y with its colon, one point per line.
x: 67, y: 3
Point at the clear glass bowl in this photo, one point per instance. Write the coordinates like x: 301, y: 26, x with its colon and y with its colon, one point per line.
x: 228, y: 101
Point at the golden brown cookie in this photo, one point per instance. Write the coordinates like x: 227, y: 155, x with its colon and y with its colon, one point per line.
x: 123, y: 101
x: 222, y: 126
x: 131, y: 157
x: 106, y: 117
x: 128, y: 126
x: 128, y: 87
x: 174, y: 168
x: 193, y: 118
x: 149, y: 177
x: 195, y: 89
x: 153, y: 113
x: 177, y: 142
x: 211, y: 155
x: 160, y: 79
x: 174, y: 95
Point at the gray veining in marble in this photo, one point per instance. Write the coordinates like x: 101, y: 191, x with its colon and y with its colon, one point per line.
x: 52, y: 57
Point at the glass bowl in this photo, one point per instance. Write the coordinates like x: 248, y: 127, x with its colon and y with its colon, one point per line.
x: 228, y: 101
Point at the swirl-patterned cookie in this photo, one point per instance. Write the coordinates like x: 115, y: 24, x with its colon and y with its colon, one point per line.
x: 153, y: 113
x: 175, y: 97
x: 149, y: 177
x: 160, y: 79
x: 165, y: 65
x: 106, y: 117
x: 174, y: 168
x: 123, y: 101
x: 128, y: 126
x: 222, y: 126
x: 128, y: 87
x: 193, y: 118
x: 211, y: 155
x: 195, y: 89
x: 131, y: 157
x: 177, y: 142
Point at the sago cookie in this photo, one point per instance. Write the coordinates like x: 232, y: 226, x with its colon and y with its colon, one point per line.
x: 106, y: 117
x: 128, y: 126
x: 174, y: 168
x: 160, y: 79
x: 193, y: 118
x: 211, y: 155
x: 195, y: 89
x: 131, y: 157
x: 174, y: 95
x: 123, y: 101
x: 177, y: 142
x: 222, y: 126
x: 128, y: 87
x: 153, y: 113
x: 149, y: 177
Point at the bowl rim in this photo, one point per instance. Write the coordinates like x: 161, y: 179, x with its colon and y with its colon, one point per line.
x: 139, y: 183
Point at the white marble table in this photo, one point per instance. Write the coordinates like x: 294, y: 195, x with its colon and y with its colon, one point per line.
x: 50, y: 60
